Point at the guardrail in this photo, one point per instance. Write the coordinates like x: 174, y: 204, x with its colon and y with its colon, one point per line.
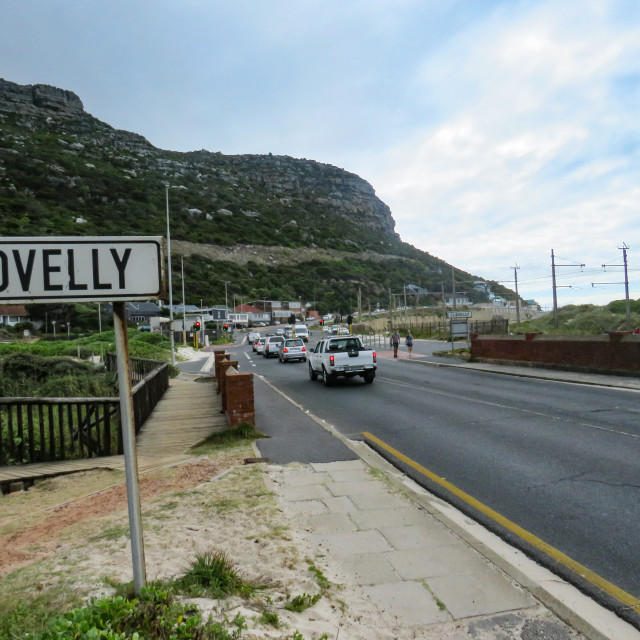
x: 47, y: 429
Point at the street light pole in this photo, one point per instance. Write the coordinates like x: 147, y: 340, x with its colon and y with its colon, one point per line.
x: 184, y: 310
x: 173, y: 346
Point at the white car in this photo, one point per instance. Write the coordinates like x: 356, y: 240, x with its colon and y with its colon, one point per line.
x: 259, y: 345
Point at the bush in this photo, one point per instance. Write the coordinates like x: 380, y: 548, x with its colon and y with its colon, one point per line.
x: 33, y: 375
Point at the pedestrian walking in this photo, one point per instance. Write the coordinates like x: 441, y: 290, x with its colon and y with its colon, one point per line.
x: 409, y: 342
x: 395, y: 343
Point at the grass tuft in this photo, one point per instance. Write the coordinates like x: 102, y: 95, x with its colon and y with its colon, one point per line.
x: 300, y: 603
x: 242, y: 432
x: 212, y: 574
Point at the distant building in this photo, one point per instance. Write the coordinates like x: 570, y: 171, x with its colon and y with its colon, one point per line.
x: 415, y: 290
x: 142, y: 312
x: 461, y: 300
x: 253, y: 314
x: 11, y: 314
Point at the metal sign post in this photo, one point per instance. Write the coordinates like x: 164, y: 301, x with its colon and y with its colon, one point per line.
x: 129, y: 445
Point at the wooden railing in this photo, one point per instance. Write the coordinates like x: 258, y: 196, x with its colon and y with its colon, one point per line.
x: 46, y: 429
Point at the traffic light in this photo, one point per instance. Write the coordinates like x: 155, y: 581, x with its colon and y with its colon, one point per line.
x: 226, y: 327
x: 196, y: 325
x: 321, y: 321
x: 350, y: 320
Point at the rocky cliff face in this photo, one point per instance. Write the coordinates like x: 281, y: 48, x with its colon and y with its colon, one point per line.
x: 302, y: 191
x: 32, y: 98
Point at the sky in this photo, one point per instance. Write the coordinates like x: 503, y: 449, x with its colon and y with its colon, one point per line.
x: 495, y: 130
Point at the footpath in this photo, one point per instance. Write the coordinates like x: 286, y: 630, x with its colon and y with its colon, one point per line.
x: 415, y: 557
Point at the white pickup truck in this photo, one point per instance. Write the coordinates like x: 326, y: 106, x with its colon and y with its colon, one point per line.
x: 341, y: 356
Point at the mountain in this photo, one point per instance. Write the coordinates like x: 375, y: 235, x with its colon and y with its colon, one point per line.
x: 274, y: 227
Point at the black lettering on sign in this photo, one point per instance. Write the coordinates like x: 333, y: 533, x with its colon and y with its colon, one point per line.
x: 4, y: 271
x: 121, y: 265
x: 73, y: 285
x: 24, y: 274
x: 48, y: 269
x: 96, y: 272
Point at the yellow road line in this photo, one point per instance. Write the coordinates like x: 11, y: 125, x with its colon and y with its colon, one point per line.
x: 615, y: 592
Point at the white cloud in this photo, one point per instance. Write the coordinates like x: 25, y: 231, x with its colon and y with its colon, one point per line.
x: 524, y: 154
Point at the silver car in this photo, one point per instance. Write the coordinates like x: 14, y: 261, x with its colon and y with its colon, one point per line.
x: 292, y: 349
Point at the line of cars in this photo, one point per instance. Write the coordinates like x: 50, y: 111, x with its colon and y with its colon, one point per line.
x: 285, y: 349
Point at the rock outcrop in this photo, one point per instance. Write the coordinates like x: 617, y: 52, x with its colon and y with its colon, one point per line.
x: 299, y: 197
x: 32, y: 97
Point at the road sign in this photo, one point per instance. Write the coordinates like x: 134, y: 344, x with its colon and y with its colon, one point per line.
x: 91, y: 269
x: 458, y: 314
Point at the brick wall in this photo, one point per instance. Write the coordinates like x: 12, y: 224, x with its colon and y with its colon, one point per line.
x: 617, y: 352
x: 224, y: 367
x: 240, y: 399
x: 235, y: 388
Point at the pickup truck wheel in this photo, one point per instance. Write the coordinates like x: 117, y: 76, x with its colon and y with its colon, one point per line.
x: 368, y: 377
x: 313, y: 375
x: 327, y: 379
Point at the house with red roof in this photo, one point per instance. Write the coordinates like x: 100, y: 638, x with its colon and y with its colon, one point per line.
x: 11, y: 314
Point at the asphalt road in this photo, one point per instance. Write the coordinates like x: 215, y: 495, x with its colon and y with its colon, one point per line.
x: 558, y: 459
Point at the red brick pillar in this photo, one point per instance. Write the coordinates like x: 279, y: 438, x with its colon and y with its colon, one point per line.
x: 239, y: 403
x: 225, y: 365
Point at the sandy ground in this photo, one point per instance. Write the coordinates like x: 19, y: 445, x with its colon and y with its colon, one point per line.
x: 214, y: 502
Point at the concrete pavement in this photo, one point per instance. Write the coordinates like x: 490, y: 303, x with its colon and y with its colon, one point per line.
x: 417, y: 559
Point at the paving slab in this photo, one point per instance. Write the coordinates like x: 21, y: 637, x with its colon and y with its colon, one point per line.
x: 367, y: 487
x: 490, y: 592
x: 304, y: 492
x: 369, y: 569
x: 341, y: 504
x: 366, y: 501
x: 304, y: 478
x: 352, y: 543
x: 332, y: 522
x: 452, y: 559
x: 378, y: 518
x: 424, y: 535
x: 409, y: 601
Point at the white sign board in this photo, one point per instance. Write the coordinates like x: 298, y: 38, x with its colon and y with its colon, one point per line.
x: 91, y: 269
x: 458, y: 314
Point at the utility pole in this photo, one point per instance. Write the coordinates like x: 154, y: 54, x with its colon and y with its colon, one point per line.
x: 626, y: 284
x: 624, y: 248
x: 515, y: 277
x: 173, y: 346
x: 184, y: 309
x: 554, y: 266
x: 453, y: 286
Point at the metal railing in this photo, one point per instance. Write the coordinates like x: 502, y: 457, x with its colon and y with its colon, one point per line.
x: 47, y: 429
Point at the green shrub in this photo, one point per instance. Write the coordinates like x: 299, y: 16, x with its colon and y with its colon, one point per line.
x: 212, y: 574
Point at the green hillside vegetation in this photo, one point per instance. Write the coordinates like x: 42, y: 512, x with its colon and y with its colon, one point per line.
x: 67, y: 173
x: 585, y: 319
